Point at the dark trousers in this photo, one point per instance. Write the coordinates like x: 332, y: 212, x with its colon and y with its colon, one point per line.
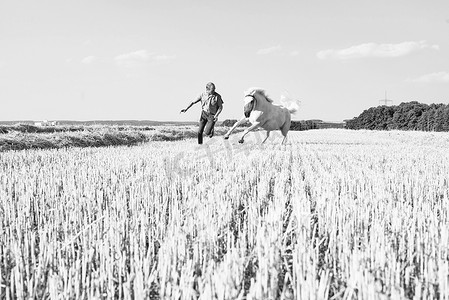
x: 206, y: 125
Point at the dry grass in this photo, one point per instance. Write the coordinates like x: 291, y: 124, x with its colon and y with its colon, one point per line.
x: 22, y: 137
x: 334, y: 214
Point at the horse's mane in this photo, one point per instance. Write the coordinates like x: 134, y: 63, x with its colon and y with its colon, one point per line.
x: 253, y: 90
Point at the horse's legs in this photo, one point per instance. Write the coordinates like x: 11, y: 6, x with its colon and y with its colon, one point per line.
x: 247, y: 130
x: 268, y: 134
x: 285, y: 128
x: 226, y: 136
x: 284, y: 139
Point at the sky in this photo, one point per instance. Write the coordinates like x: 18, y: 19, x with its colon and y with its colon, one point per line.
x: 147, y: 60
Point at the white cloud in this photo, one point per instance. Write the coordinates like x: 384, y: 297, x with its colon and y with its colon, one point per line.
x: 136, y: 55
x: 133, y: 59
x: 294, y: 53
x: 88, y: 60
x: 432, y: 77
x: 141, y: 57
x: 375, y: 50
x: 269, y: 50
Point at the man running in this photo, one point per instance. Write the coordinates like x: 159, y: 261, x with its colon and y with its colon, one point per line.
x: 212, y: 105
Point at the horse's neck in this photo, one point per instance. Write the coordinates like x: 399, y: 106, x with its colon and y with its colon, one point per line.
x: 261, y: 103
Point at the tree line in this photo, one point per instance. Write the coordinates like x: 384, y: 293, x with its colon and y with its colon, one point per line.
x: 405, y: 116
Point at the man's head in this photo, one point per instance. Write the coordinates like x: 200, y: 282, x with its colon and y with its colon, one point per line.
x: 210, y: 87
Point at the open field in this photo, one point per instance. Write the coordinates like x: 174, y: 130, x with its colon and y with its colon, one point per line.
x: 334, y: 214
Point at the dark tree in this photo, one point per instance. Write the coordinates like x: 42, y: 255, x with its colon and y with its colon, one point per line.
x: 405, y: 116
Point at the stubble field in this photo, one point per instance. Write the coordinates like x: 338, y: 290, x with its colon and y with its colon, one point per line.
x: 333, y: 214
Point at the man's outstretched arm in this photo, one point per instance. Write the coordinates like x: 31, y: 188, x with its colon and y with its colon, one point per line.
x: 190, y: 105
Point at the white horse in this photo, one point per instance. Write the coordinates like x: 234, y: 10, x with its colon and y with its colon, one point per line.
x: 261, y: 112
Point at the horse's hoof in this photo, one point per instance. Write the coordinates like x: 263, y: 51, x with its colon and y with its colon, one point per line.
x: 241, y: 141
x: 226, y: 137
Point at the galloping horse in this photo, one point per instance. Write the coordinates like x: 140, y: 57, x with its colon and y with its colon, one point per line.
x: 261, y: 112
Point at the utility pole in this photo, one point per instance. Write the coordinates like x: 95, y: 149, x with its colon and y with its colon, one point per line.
x: 386, y: 100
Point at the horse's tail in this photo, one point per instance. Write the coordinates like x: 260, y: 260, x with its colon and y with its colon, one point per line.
x: 293, y: 108
x: 291, y: 104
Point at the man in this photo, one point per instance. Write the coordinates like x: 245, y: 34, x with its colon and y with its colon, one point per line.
x: 211, y: 107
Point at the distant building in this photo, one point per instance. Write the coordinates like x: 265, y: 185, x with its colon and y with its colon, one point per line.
x: 46, y: 123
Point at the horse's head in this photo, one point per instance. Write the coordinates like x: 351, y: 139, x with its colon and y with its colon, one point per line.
x: 250, y: 102
x: 252, y: 96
